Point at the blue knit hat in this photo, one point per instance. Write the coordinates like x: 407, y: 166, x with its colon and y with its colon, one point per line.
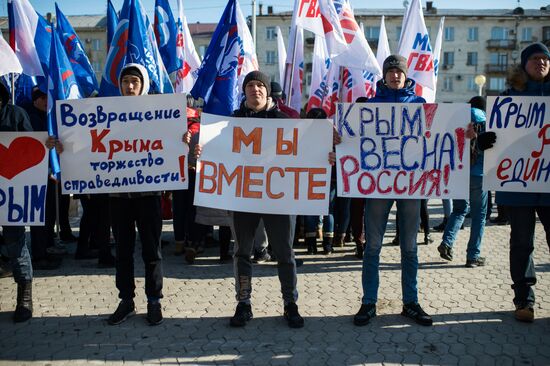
x: 531, y: 50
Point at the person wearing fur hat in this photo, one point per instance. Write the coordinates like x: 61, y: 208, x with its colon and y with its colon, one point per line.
x: 530, y: 78
x: 395, y: 87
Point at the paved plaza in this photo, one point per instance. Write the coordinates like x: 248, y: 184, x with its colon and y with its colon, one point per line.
x: 471, y: 308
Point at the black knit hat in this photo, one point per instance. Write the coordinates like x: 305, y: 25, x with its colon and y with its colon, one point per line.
x: 37, y: 93
x: 531, y: 50
x: 258, y: 76
x: 132, y: 70
x: 395, y: 62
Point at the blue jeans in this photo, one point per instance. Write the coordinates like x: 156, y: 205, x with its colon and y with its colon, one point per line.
x: 18, y: 252
x: 478, y: 209
x: 522, y: 235
x: 376, y: 220
x: 447, y: 207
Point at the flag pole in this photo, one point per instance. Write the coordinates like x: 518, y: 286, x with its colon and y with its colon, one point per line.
x: 12, y: 82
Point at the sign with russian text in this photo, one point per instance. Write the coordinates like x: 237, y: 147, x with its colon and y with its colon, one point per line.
x: 275, y: 166
x: 23, y: 178
x: 123, y: 144
x: 520, y: 159
x: 403, y: 151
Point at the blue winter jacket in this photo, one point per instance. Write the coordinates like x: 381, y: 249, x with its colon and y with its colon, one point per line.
x: 405, y: 95
x: 531, y: 88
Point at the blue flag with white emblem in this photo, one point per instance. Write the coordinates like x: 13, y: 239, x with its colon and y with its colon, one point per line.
x: 217, y: 77
x: 134, y: 41
x: 166, y: 33
x: 62, y: 85
x: 84, y: 73
x: 112, y: 21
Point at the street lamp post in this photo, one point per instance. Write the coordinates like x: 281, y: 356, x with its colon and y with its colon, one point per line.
x: 480, y: 81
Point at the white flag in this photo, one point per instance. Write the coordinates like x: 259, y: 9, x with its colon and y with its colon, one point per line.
x: 281, y: 55
x: 185, y: 49
x: 295, y: 66
x: 415, y: 47
x: 319, y: 73
x: 308, y: 16
x: 250, y: 60
x: 357, y: 83
x: 383, y: 50
x: 427, y: 93
x: 346, y: 43
x: 10, y: 63
x: 25, y: 21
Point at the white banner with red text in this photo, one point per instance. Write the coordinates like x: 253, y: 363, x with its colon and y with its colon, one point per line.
x: 275, y: 166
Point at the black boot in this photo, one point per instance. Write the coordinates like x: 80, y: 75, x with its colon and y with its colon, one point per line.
x: 23, y: 310
x: 327, y: 245
x: 311, y: 245
x: 359, y: 248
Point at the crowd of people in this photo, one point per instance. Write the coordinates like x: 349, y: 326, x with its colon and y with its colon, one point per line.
x: 259, y: 236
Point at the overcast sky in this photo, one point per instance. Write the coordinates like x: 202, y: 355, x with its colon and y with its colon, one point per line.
x: 209, y: 11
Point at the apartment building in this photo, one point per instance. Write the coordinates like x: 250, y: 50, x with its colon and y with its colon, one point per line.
x: 476, y: 42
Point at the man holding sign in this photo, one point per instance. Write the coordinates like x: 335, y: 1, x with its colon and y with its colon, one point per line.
x: 279, y: 227
x: 394, y: 88
x: 520, y: 175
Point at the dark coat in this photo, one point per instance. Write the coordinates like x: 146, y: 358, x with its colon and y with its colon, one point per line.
x: 12, y: 117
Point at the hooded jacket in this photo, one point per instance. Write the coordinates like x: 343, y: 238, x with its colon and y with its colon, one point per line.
x: 12, y: 117
x: 404, y: 95
x: 521, y: 85
x: 144, y: 75
x: 144, y: 91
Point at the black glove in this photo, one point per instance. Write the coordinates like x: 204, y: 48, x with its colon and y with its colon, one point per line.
x: 486, y: 140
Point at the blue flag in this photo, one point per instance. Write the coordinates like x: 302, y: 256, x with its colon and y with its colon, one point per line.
x: 112, y: 21
x: 166, y: 33
x: 217, y: 77
x: 84, y: 73
x: 134, y: 41
x: 116, y: 55
x: 62, y: 85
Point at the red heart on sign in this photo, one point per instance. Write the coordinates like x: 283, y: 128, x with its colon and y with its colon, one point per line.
x: 22, y: 154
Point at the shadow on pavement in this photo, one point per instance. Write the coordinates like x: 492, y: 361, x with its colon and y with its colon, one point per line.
x: 333, y: 339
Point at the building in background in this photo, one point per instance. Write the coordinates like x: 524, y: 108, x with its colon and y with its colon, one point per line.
x: 476, y: 42
x: 92, y: 31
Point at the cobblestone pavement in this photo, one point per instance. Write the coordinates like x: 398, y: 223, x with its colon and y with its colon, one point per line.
x: 472, y: 311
